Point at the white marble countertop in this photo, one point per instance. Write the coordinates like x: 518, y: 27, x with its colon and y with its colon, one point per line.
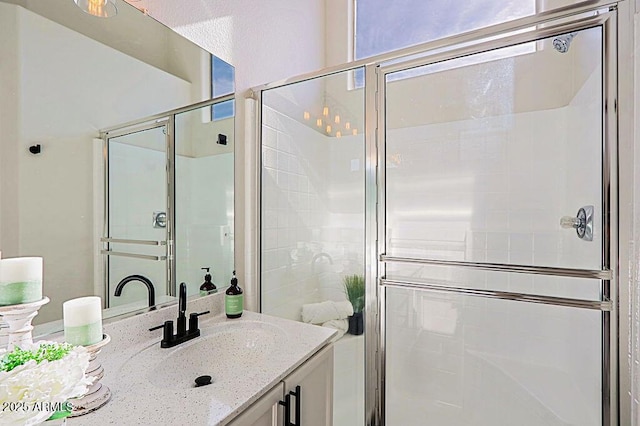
x: 139, y: 398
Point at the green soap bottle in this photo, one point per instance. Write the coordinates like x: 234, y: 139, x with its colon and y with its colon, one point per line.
x: 207, y: 286
x: 234, y: 299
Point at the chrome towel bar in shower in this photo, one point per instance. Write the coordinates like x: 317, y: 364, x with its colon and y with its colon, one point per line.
x: 134, y: 255
x: 126, y: 241
x: 599, y: 305
x: 604, y: 274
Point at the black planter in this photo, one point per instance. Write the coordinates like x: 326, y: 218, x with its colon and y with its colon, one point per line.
x: 356, y: 324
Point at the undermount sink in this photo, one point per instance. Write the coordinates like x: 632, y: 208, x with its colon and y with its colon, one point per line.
x: 226, y: 351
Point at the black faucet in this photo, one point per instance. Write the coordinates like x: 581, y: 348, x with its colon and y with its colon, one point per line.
x: 169, y: 339
x: 146, y: 281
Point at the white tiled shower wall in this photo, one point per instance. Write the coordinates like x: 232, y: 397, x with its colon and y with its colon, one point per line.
x: 312, y: 214
x: 500, y: 204
x: 313, y: 235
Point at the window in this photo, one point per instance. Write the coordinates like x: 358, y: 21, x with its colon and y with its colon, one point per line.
x: 383, y: 26
x: 222, y: 83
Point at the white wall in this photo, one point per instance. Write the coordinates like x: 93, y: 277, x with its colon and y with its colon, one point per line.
x: 163, y: 49
x: 9, y: 129
x: 634, y: 246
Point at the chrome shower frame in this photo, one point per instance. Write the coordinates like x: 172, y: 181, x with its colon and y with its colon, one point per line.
x: 615, y: 303
x: 609, y: 274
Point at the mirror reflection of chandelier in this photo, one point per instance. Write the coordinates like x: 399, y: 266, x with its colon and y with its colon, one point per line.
x: 99, y: 8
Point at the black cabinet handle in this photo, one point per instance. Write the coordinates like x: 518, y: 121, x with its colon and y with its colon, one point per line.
x: 287, y: 414
x: 287, y: 407
x: 296, y: 393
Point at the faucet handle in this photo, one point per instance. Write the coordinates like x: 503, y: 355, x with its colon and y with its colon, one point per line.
x: 167, y: 334
x: 193, y: 320
x: 182, y: 300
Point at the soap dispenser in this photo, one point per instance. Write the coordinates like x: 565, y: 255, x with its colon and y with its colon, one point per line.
x: 207, y: 286
x: 233, y: 299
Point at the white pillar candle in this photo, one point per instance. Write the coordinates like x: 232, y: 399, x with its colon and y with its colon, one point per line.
x: 20, y: 280
x: 82, y: 318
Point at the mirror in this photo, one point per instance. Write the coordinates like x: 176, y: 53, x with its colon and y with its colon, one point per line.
x: 64, y: 77
x: 146, y: 193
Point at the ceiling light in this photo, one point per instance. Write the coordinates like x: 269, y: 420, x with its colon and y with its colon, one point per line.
x: 99, y: 8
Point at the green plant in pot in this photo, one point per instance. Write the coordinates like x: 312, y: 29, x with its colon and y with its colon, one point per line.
x: 354, y: 290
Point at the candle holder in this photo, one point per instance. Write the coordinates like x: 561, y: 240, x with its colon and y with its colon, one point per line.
x: 98, y: 394
x: 18, y: 319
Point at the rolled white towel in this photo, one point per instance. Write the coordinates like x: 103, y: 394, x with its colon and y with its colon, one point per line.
x: 318, y: 313
x: 342, y: 325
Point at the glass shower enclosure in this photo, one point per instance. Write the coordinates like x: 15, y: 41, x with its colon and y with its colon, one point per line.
x: 312, y: 216
x: 489, y: 244
x: 496, y: 273
x: 496, y: 282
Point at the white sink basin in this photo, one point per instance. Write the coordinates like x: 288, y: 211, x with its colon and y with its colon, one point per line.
x: 225, y: 351
x: 245, y: 357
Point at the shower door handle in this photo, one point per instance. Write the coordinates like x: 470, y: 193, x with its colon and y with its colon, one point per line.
x: 583, y: 223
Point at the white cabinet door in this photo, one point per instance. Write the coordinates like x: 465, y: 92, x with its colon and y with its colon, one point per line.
x: 310, y: 390
x: 263, y: 412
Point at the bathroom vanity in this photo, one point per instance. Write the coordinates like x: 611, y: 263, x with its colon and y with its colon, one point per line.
x: 264, y: 371
x: 306, y: 393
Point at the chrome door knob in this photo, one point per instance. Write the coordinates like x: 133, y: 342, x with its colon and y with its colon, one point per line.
x: 569, y: 222
x: 159, y: 220
x: 583, y: 223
